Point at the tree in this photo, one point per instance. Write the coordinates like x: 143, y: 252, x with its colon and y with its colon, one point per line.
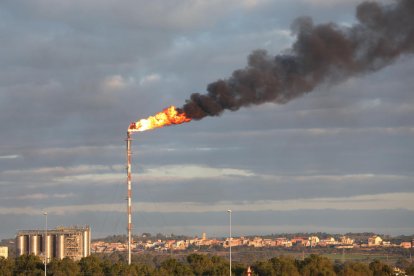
x: 263, y: 268
x: 200, y: 264
x: 278, y: 266
x: 139, y: 269
x: 355, y: 269
x: 410, y: 270
x: 237, y: 268
x: 6, y: 267
x: 64, y: 267
x: 115, y: 268
x: 284, y: 266
x: 316, y: 265
x: 220, y: 266
x: 380, y: 269
x: 160, y: 236
x: 28, y: 265
x: 402, y: 263
x: 91, y: 265
x: 174, y: 267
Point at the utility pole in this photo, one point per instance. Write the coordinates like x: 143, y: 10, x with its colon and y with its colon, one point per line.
x: 229, y: 211
x: 45, y: 243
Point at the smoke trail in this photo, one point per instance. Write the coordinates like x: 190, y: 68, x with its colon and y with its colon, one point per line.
x: 321, y: 53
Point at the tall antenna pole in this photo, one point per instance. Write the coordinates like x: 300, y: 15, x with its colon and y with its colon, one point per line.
x: 229, y: 211
x: 129, y: 209
x: 46, y: 247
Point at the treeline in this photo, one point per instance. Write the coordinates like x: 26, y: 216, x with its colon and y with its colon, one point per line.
x: 143, y: 237
x: 358, y: 237
x: 197, y: 264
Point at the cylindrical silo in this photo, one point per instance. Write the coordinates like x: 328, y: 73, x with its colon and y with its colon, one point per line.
x: 60, y: 246
x: 89, y: 240
x: 27, y: 244
x: 54, y: 241
x: 47, y: 247
x: 85, y: 247
x: 34, y: 244
x: 21, y: 245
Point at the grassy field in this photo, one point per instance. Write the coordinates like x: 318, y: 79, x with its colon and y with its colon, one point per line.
x: 363, y: 257
x: 335, y: 255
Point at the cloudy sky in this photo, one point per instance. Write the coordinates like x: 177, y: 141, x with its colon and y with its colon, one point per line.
x: 74, y: 74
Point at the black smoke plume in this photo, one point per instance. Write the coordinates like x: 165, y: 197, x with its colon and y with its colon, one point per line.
x: 322, y: 53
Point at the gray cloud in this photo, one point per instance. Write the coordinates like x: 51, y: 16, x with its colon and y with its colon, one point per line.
x: 73, y: 78
x: 399, y: 221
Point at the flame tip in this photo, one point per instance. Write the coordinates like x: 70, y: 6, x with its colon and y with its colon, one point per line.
x: 169, y: 116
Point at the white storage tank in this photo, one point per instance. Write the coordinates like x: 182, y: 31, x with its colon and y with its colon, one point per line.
x: 34, y: 245
x: 85, y: 247
x: 22, y: 242
x: 60, y: 246
x: 48, y: 247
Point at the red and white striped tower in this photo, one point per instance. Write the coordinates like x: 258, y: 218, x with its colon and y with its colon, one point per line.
x: 129, y: 194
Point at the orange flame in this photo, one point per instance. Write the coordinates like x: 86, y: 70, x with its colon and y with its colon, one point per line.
x: 169, y: 116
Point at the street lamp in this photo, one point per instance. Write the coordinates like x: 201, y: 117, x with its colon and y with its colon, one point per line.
x: 229, y: 211
x: 45, y: 242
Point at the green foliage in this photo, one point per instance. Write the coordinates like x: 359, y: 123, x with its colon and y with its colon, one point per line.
x: 284, y: 266
x: 115, y: 238
x: 91, y: 265
x: 380, y: 269
x: 316, y: 265
x: 278, y: 266
x: 355, y: 269
x: 174, y: 267
x: 221, y: 267
x: 194, y: 264
x: 139, y: 269
x: 200, y: 264
x: 237, y: 269
x: 65, y: 267
x: 402, y: 263
x: 410, y: 269
x: 263, y: 268
x: 6, y: 266
x: 28, y: 265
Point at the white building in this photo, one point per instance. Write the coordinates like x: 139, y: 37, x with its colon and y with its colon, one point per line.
x: 4, y: 252
x: 374, y: 241
x: 313, y: 241
x: 72, y: 242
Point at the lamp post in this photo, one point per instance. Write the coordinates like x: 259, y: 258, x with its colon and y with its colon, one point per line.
x: 45, y: 242
x: 229, y: 211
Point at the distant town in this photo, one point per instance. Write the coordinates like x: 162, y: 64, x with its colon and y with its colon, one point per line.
x: 76, y: 242
x: 150, y: 243
x: 35, y: 251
